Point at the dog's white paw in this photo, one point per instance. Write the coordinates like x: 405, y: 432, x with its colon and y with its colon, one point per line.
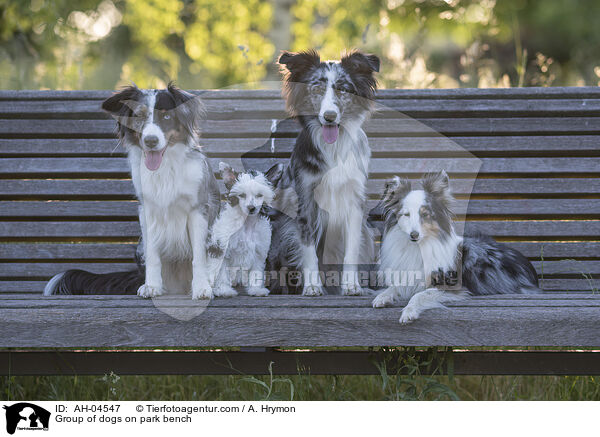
x: 258, y: 291
x: 384, y: 299
x: 353, y: 290
x: 409, y: 314
x: 204, y: 292
x: 149, y: 291
x: 313, y: 290
x: 225, y: 291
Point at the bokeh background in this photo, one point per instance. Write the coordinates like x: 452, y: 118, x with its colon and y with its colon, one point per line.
x: 102, y: 44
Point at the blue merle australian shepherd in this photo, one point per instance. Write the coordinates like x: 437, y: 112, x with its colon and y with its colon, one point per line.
x: 177, y: 191
x: 322, y: 190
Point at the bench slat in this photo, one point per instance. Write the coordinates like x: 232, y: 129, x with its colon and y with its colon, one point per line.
x: 275, y: 108
x: 551, y: 285
x: 500, y: 145
x: 126, y: 251
x: 483, y: 207
x: 389, y: 166
x: 530, y: 229
x: 54, y: 188
x: 360, y: 326
x: 47, y: 269
x: 374, y: 127
x: 554, y: 300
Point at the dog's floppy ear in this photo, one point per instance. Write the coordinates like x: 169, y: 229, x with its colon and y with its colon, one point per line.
x: 120, y: 106
x: 188, y: 108
x: 297, y: 63
x: 274, y: 174
x: 438, y: 185
x: 228, y: 174
x: 117, y: 103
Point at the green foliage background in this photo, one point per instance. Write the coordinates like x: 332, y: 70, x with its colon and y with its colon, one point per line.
x: 101, y: 44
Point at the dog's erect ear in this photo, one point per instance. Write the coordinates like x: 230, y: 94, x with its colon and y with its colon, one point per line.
x: 299, y: 62
x: 188, y: 109
x: 117, y: 103
x: 274, y: 174
x: 361, y: 63
x: 438, y: 185
x: 228, y: 174
x: 396, y: 188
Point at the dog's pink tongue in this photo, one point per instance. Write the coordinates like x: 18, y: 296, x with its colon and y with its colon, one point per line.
x: 153, y: 159
x: 330, y: 133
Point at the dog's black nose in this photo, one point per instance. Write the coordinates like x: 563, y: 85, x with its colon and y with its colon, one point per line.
x: 251, y: 209
x: 330, y: 116
x: 414, y: 235
x: 151, y: 141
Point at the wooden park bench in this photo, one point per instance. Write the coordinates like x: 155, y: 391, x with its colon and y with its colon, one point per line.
x: 67, y: 202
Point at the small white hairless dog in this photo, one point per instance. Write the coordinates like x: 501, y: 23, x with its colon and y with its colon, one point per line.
x: 241, y: 235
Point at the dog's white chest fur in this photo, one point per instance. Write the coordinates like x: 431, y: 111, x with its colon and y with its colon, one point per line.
x: 168, y: 195
x: 413, y: 263
x: 342, y: 187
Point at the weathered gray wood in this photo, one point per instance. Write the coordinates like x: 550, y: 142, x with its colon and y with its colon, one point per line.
x: 482, y: 207
x: 376, y: 127
x: 571, y: 229
x: 16, y: 300
x: 275, y: 108
x: 388, y: 166
x: 360, y: 326
x: 130, y: 302
x: 59, y: 188
x: 47, y: 269
x: 499, y: 145
x: 77, y: 229
x: 48, y: 251
x: 550, y: 285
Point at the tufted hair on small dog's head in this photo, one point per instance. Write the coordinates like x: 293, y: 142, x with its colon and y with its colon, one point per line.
x: 251, y: 191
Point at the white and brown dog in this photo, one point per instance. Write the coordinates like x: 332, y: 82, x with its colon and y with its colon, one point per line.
x: 177, y: 191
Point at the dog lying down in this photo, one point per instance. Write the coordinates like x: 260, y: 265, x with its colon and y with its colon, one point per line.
x: 419, y: 237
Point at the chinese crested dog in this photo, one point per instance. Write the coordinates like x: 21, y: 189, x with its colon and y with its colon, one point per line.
x: 241, y: 235
x: 177, y: 192
x: 421, y: 253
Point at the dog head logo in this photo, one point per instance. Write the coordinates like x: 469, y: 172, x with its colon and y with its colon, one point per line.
x: 26, y: 416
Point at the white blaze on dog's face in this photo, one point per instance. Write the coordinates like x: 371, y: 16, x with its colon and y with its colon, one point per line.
x: 329, y: 94
x: 153, y: 120
x: 247, y: 191
x: 420, y: 214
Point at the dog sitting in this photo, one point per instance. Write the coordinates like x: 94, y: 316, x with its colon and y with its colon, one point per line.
x: 419, y: 237
x: 323, y: 223
x: 241, y: 235
x: 177, y: 191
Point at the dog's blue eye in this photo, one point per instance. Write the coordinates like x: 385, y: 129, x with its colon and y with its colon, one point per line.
x: 167, y: 117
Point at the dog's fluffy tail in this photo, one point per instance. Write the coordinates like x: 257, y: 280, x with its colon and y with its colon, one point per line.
x: 82, y: 282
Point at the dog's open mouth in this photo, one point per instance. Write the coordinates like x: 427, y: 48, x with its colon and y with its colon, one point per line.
x: 153, y: 159
x: 331, y: 133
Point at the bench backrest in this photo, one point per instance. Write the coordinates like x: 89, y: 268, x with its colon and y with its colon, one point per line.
x: 67, y: 200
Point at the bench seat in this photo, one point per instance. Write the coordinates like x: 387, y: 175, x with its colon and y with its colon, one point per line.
x: 555, y: 319
x: 66, y: 201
